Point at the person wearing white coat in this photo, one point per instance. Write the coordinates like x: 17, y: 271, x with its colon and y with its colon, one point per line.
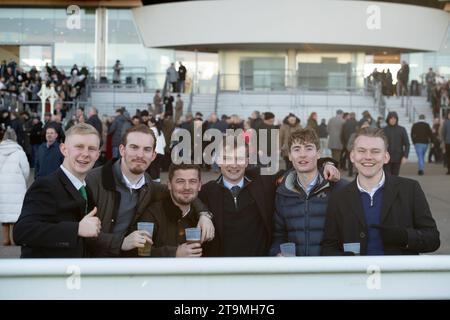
x: 14, y: 170
x: 155, y: 167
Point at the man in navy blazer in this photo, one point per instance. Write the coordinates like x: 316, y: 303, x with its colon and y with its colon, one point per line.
x: 378, y: 213
x: 55, y: 219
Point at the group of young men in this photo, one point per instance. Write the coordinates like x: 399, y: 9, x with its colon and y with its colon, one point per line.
x: 79, y: 212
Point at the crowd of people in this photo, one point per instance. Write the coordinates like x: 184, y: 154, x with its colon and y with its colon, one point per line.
x: 19, y: 88
x: 96, y: 178
x: 128, y: 153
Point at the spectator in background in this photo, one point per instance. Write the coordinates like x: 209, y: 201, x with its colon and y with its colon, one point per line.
x: 35, y: 139
x: 398, y: 144
x: 290, y: 124
x: 430, y: 79
x: 348, y: 128
x: 322, y: 130
x: 95, y: 121
x: 312, y: 121
x: 214, y: 123
x: 172, y: 77
x: 157, y: 102
x: 181, y: 77
x: 446, y: 138
x: 178, y: 108
x: 335, y: 125
x: 49, y: 156
x: 14, y: 171
x: 421, y: 136
x: 116, y: 129
x: 17, y: 126
x: 435, y: 149
x: 117, y: 68
x: 403, y: 79
x: 168, y: 104
x: 255, y: 120
x: 154, y: 170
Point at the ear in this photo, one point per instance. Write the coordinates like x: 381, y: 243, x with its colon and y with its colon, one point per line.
x: 387, y: 157
x: 352, y: 156
x: 153, y: 156
x: 63, y: 149
x: 122, y: 150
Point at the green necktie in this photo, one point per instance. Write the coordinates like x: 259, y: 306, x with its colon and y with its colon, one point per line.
x: 83, y: 193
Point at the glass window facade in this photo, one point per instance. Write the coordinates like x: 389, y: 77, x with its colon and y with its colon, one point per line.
x: 46, y: 28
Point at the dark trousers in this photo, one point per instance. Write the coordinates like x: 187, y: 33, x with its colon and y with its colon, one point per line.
x: 393, y: 168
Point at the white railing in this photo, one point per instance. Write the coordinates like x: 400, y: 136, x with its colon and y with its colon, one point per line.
x: 387, y: 277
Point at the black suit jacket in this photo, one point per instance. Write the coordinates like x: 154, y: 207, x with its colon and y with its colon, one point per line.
x: 404, y: 205
x: 48, y: 224
x: 262, y: 189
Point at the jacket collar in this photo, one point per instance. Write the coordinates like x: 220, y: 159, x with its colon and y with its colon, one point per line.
x: 390, y: 192
x: 290, y: 186
x: 173, y: 212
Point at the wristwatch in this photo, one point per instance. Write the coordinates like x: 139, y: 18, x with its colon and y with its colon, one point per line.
x: 207, y: 214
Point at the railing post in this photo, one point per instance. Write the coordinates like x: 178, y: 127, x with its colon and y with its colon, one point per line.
x: 216, y: 102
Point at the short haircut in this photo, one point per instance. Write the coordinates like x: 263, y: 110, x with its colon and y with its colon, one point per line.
x: 304, y: 136
x: 422, y: 117
x: 53, y: 127
x: 142, y: 128
x: 81, y: 129
x: 183, y: 166
x: 371, y: 132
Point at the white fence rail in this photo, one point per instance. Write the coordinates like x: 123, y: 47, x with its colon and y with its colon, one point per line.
x: 412, y: 277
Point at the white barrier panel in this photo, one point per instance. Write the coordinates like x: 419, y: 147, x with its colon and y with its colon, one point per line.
x: 393, y: 277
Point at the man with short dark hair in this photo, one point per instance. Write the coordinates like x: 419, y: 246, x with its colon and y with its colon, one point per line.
x: 49, y: 156
x: 378, y: 213
x: 122, y: 190
x: 174, y: 214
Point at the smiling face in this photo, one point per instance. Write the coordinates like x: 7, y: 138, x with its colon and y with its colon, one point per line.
x: 304, y: 156
x: 138, y: 153
x: 80, y: 153
x: 184, y: 186
x: 368, y: 155
x: 232, y: 163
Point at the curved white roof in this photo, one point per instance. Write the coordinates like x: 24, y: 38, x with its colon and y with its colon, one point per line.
x: 212, y: 25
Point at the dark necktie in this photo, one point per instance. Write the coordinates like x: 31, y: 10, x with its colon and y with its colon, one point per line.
x: 235, y: 192
x: 83, y: 193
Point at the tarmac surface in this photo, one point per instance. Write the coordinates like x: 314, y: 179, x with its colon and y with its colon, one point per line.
x: 435, y: 183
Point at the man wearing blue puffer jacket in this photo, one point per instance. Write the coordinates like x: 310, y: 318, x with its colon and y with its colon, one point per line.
x: 302, y: 197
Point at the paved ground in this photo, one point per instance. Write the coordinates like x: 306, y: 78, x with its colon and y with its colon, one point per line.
x: 435, y: 184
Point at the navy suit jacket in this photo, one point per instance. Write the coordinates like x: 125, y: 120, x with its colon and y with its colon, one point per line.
x: 48, y: 224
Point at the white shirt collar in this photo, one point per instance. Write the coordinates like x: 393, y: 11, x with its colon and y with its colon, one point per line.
x: 75, y: 181
x: 228, y: 185
x: 136, y: 185
x: 378, y: 186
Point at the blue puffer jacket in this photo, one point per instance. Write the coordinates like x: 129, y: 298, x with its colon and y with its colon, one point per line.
x: 300, y: 218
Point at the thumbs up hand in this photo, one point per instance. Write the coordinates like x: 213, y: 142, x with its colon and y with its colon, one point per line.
x: 90, y: 225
